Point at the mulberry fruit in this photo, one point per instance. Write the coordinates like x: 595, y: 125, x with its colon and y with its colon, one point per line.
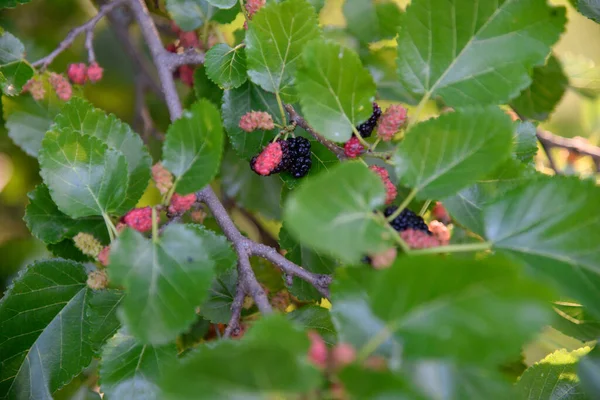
x: 417, y: 239
x: 94, y: 72
x: 139, y: 219
x: 300, y: 166
x: 252, y: 6
x: 180, y: 204
x: 440, y: 231
x: 267, y: 160
x: 299, y: 146
x: 366, y: 128
x: 61, y: 86
x: 36, y: 88
x: 295, y: 158
x: 353, y: 147
x: 77, y: 73
x: 406, y: 220
x: 317, y: 353
x: 390, y: 189
x: 286, y: 157
x: 103, y: 256
x: 256, y: 120
x: 88, y: 244
x: 391, y: 121
x: 97, y: 280
x: 162, y: 178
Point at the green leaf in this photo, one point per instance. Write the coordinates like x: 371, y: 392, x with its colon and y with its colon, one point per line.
x: 275, y: 39
x: 217, y: 307
x: 14, y: 76
x: 589, y: 372
x: 102, y: 314
x: 223, y: 3
x: 84, y: 176
x: 271, y: 359
x: 236, y: 103
x: 226, y: 66
x: 79, y: 115
x: 467, y: 205
x: 131, y: 369
x: 218, y: 248
x: 316, y: 318
x: 310, y: 260
x: 11, y: 48
x: 47, y: 223
x: 12, y: 3
x: 401, y: 309
x: 589, y: 8
x: 382, y: 66
x: 261, y: 194
x: 192, y: 14
x: 335, y: 90
x: 333, y: 212
x: 440, y: 156
x: 555, y: 377
x: 367, y: 384
x: 525, y: 141
x: 552, y: 226
x: 205, y: 88
x: 165, y: 280
x: 27, y: 120
x: 371, y: 22
x: 574, y: 320
x: 44, y: 330
x: 193, y: 147
x: 469, y: 52
x: 548, y: 87
x: 583, y: 74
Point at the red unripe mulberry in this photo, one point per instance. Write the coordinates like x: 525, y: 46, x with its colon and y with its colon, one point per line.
x: 353, y: 147
x: 61, y: 86
x: 186, y: 74
x: 267, y: 160
x: 256, y: 120
x: 139, y: 219
x: 390, y: 122
x: 317, y: 353
x: 180, y: 204
x: 390, y: 188
x: 77, y: 73
x: 95, y: 72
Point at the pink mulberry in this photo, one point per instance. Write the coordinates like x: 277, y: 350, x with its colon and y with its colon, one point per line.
x: 391, y: 121
x: 353, y: 147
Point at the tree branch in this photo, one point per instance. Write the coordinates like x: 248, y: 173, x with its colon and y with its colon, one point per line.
x: 549, y: 141
x: 301, y: 122
x: 87, y: 28
x: 236, y: 311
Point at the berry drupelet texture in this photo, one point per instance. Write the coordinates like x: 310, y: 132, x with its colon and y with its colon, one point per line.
x: 299, y: 146
x: 353, y: 147
x: 295, y: 158
x: 300, y: 166
x: 266, y: 162
x: 390, y: 189
x: 139, y: 219
x: 406, y: 220
x: 366, y: 128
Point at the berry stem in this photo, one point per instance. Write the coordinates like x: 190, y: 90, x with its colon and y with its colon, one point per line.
x: 454, y: 248
x: 112, y: 230
x: 154, y: 226
x: 244, y: 11
x: 404, y: 204
x: 424, y: 208
x: 280, y: 104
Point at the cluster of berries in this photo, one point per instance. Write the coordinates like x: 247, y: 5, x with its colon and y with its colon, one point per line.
x: 406, y: 220
x: 390, y: 188
x: 187, y: 40
x: 80, y: 73
x: 292, y: 155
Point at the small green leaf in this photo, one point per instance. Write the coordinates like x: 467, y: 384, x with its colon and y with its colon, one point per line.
x: 275, y: 39
x: 84, y: 176
x: 193, y: 147
x: 574, y: 320
x: 333, y: 212
x: 14, y: 76
x: 316, y: 318
x: 271, y: 359
x: 223, y: 3
x: 102, y: 314
x: 552, y: 226
x: 440, y: 156
x: 367, y: 384
x: 401, y: 310
x: 44, y: 330
x: 165, y: 280
x: 205, y: 88
x: 236, y: 103
x: 226, y: 66
x: 372, y: 22
x: 131, y: 370
x: 27, y: 120
x: 47, y: 223
x: 335, y: 90
x: 548, y: 87
x: 12, y: 3
x: 11, y: 48
x: 217, y: 307
x: 192, y: 14
x: 471, y: 53
x: 310, y: 260
x: 79, y: 115
x: 525, y: 141
x: 555, y: 377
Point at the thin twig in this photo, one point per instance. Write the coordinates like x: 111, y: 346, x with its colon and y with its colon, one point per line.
x: 301, y: 122
x: 188, y: 57
x: 548, y: 140
x: 87, y: 28
x: 236, y: 311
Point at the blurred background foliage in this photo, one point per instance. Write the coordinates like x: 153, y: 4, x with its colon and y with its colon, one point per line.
x: 42, y: 24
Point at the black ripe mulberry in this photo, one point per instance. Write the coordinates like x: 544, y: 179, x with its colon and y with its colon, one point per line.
x: 366, y: 128
x: 295, y: 158
x: 406, y: 220
x: 300, y: 166
x: 287, y: 157
x: 299, y: 146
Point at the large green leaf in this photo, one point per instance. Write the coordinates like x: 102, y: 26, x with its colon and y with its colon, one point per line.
x: 554, y: 377
x: 552, y: 226
x: 589, y: 372
x: 84, y: 176
x: 192, y: 14
x: 165, y: 280
x: 226, y: 66
x: 44, y: 330
x: 471, y: 52
x: 261, y: 194
x: 431, y: 307
x: 12, y: 3
x: 270, y: 360
x: 47, y: 223
x: 27, y: 120
x: 440, y: 156
x: 382, y: 65
x: 102, y: 314
x: 333, y: 212
x: 316, y: 318
x: 589, y: 8
x: 223, y: 3
x: 236, y: 103
x: 275, y: 39
x: 131, y: 370
x: 193, y: 147
x: 548, y: 87
x: 583, y: 74
x: 14, y: 70
x: 366, y: 384
x: 82, y: 117
x: 335, y: 90
x: 370, y: 21
x: 467, y: 205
